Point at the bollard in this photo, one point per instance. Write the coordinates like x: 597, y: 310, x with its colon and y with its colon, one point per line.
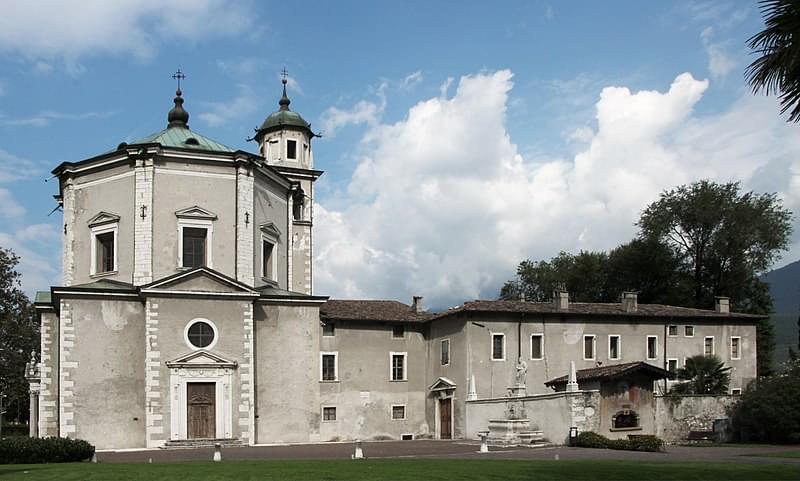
x: 359, y: 454
x: 94, y: 458
x: 484, y: 446
x: 149, y: 460
x: 557, y: 457
x: 217, y: 452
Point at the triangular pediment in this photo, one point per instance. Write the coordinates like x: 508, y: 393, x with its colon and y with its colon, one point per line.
x: 196, y: 212
x: 200, y: 280
x: 103, y: 218
x: 201, y: 358
x: 271, y: 229
x: 442, y: 384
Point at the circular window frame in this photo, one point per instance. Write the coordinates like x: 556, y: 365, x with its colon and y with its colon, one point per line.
x: 192, y: 323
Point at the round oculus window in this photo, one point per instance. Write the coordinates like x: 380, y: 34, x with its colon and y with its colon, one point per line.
x: 200, y: 334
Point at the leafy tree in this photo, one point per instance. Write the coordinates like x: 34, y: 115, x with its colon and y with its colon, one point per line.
x: 583, y: 275
x: 703, y: 375
x: 19, y: 334
x: 777, y: 69
x: 725, y: 238
x: 769, y: 409
x: 649, y: 267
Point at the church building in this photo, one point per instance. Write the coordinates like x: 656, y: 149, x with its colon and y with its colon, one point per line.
x: 186, y: 314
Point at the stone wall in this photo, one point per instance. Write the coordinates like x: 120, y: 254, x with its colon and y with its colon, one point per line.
x: 675, y: 417
x: 553, y: 413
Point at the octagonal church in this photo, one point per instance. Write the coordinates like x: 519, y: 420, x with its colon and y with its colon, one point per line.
x: 186, y: 313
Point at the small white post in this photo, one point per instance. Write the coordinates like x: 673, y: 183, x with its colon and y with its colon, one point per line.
x: 217, y: 452
x: 484, y: 446
x: 359, y: 454
x: 472, y: 395
x: 94, y: 458
x: 572, y: 381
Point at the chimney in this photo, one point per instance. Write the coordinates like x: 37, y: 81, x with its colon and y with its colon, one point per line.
x: 630, y: 302
x: 722, y: 305
x: 561, y: 299
x: 416, y: 304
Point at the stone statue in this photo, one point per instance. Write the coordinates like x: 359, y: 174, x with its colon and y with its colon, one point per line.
x: 522, y: 372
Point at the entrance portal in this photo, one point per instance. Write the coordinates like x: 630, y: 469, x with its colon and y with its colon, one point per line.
x: 201, y: 410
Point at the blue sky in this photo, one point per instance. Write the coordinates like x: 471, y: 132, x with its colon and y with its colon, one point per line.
x: 459, y: 137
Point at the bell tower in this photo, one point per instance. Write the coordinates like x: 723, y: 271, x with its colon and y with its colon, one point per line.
x: 284, y: 140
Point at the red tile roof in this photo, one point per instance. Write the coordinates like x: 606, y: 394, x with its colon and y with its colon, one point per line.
x: 613, y: 371
x: 370, y: 310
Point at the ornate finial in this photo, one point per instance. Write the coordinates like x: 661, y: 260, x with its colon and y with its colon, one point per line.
x: 178, y: 117
x: 178, y: 76
x: 284, y: 101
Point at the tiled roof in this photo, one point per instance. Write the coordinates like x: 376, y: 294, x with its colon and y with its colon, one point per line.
x: 593, y: 308
x: 370, y: 310
x: 613, y: 371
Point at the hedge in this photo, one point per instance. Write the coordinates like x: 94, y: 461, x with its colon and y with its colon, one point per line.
x: 643, y: 442
x: 19, y: 450
x: 10, y: 430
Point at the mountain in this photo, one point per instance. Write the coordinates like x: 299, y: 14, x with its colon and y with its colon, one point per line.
x: 784, y: 286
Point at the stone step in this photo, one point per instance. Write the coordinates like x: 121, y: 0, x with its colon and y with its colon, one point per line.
x: 201, y: 443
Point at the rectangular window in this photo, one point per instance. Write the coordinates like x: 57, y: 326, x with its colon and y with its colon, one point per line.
x: 736, y: 347
x: 588, y: 348
x: 398, y: 366
x: 398, y: 411
x: 328, y: 367
x: 291, y: 149
x: 537, y: 347
x: 652, y: 347
x: 688, y: 331
x: 672, y: 331
x: 445, y: 346
x: 498, y: 347
x: 708, y: 346
x: 614, y: 353
x: 398, y: 331
x: 672, y: 365
x: 329, y: 413
x: 105, y: 252
x: 267, y: 262
x: 329, y: 329
x: 194, y: 246
x: 736, y: 392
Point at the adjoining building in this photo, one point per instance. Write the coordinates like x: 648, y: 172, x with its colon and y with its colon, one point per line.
x: 186, y: 313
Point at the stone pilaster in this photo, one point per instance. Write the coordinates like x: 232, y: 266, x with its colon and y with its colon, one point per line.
x: 143, y: 222
x: 67, y: 365
x: 289, y: 241
x: 246, y: 377
x: 154, y: 412
x: 301, y: 245
x: 244, y: 225
x: 48, y: 390
x: 67, y: 255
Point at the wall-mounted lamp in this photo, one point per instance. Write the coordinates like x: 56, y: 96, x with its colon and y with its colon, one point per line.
x: 246, y: 218
x: 144, y: 211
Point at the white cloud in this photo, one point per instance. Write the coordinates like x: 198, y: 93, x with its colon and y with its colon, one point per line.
x: 443, y: 205
x: 548, y: 12
x: 363, y: 112
x: 9, y: 208
x: 60, y: 29
x: 14, y: 168
x: 242, y: 66
x: 220, y: 113
x: 411, y: 80
x: 44, y: 118
x: 720, y: 61
x: 37, y: 247
x: 41, y: 67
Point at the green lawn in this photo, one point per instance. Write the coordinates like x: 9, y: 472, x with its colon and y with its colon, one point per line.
x: 782, y: 454
x: 401, y: 470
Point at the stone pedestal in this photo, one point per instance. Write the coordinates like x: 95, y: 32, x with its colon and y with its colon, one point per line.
x: 515, y: 428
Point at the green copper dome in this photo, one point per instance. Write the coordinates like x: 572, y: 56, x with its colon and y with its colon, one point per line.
x: 283, y: 118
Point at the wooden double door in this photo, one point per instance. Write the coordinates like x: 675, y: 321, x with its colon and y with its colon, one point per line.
x: 201, y: 410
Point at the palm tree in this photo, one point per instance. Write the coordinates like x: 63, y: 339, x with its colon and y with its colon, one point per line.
x: 777, y: 69
x: 703, y: 375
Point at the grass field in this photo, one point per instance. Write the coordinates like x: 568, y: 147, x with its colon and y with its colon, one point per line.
x: 782, y: 454
x: 402, y: 470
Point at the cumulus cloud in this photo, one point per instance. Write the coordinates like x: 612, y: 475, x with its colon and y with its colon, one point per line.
x: 38, y: 247
x: 61, y: 29
x: 720, y: 61
x: 363, y: 112
x: 442, y: 204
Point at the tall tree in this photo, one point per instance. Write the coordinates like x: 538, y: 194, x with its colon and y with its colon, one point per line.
x: 19, y: 336
x: 649, y: 267
x: 727, y: 239
x: 777, y: 68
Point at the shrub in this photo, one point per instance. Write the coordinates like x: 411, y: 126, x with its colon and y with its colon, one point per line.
x: 11, y: 430
x: 769, y: 409
x: 634, y: 443
x: 22, y: 450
